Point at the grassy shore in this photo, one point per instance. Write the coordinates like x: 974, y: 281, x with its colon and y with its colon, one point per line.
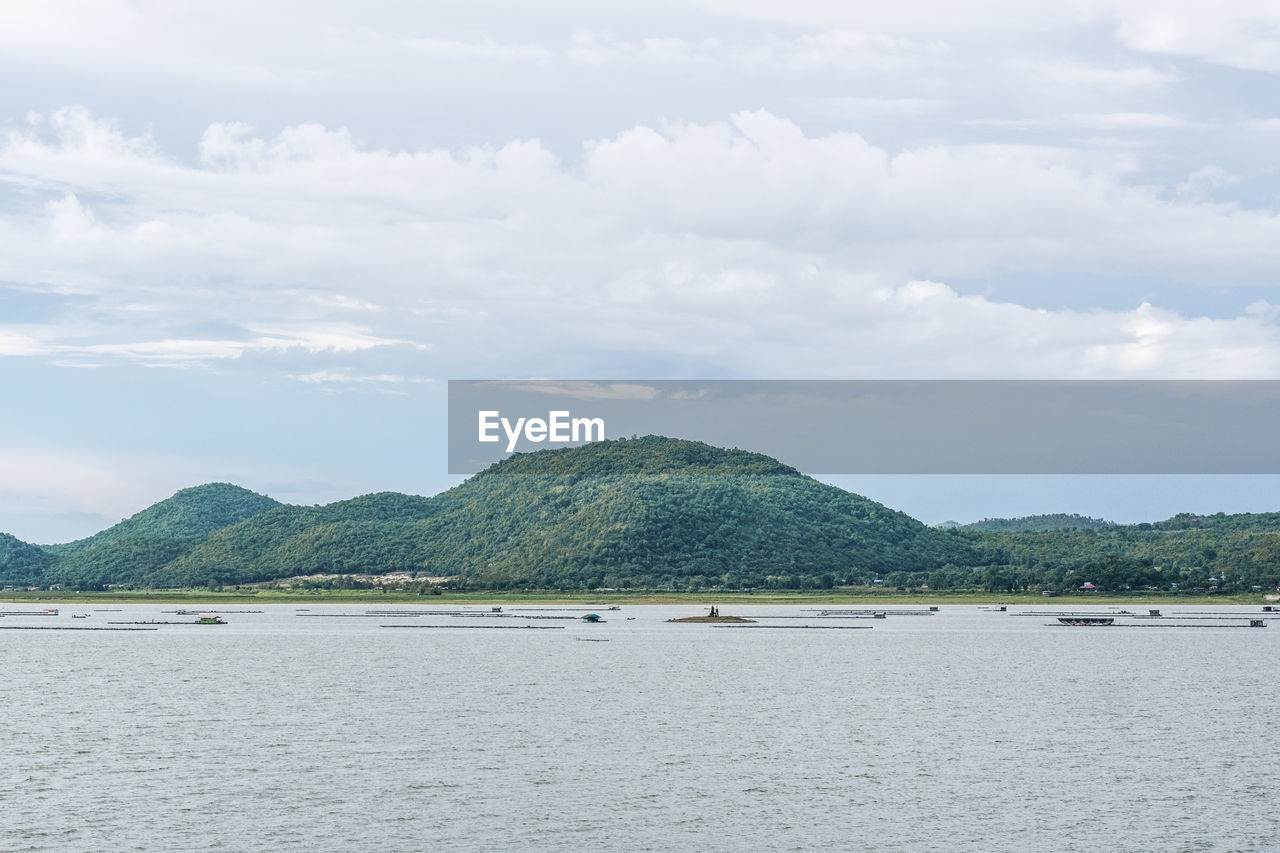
x: 200, y: 596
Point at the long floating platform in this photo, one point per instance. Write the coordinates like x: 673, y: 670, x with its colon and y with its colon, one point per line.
x: 152, y: 622
x: 1150, y: 625
x: 66, y: 628
x: 1086, y: 613
x: 804, y: 627
x: 810, y: 616
x: 567, y: 607
x: 870, y: 612
x: 484, y: 627
x: 444, y: 613
x: 1176, y: 617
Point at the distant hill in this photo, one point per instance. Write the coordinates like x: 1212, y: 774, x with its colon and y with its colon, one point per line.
x: 657, y: 510
x: 192, y: 512
x: 373, y: 534
x: 1039, y: 523
x: 1220, y: 521
x: 648, y: 513
x: 129, y: 551
x: 21, y: 562
x: 613, y: 513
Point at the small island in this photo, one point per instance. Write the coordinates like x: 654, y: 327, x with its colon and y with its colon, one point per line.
x: 711, y: 619
x: 713, y: 616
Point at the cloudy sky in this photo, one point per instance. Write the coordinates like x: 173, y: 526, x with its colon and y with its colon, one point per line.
x: 251, y: 241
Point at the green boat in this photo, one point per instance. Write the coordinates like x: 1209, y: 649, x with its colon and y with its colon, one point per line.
x: 210, y: 620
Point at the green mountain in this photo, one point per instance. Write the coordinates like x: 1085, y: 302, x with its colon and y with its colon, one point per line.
x: 656, y: 511
x: 159, y: 534
x: 192, y: 512
x: 371, y: 534
x: 21, y: 562
x: 650, y: 511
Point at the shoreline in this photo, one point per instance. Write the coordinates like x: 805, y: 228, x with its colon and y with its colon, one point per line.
x: 196, y: 596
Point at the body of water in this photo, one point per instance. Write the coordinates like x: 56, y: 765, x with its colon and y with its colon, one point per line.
x: 965, y: 730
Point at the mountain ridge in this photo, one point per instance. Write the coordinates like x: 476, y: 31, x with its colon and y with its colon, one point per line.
x: 645, y: 513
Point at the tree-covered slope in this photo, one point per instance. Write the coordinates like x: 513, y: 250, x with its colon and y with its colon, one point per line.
x: 643, y: 511
x: 649, y: 510
x: 141, y: 544
x: 1239, y: 552
x: 1039, y: 523
x: 369, y: 534
x: 21, y: 562
x: 189, y: 513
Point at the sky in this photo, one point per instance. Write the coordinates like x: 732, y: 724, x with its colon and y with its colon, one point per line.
x: 252, y: 242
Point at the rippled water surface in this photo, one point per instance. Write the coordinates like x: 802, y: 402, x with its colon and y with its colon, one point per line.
x: 966, y: 730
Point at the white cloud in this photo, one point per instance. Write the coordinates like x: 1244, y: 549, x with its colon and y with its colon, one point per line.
x: 1236, y: 33
x: 12, y: 343
x: 847, y: 107
x: 323, y: 377
x: 841, y: 50
x: 585, y: 390
x: 1203, y: 182
x: 1085, y: 74
x: 486, y: 50
x: 747, y: 242
x: 212, y: 44
x: 1103, y: 121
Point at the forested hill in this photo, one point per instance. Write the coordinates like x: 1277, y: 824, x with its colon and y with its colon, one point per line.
x: 125, y: 552
x: 190, y: 513
x: 1039, y: 523
x: 656, y: 511
x: 20, y: 560
x: 648, y: 513
x: 647, y: 456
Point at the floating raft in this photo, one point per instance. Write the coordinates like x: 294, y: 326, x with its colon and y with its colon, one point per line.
x: 1253, y: 623
x: 563, y: 608
x: 809, y: 616
x: 484, y: 627
x: 387, y: 613
x: 1207, y: 614
x: 1167, y: 625
x: 871, y: 612
x: 801, y: 627
x: 65, y: 628
x: 413, y: 615
x: 1178, y: 617
x: 153, y: 622
x: 1076, y: 613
